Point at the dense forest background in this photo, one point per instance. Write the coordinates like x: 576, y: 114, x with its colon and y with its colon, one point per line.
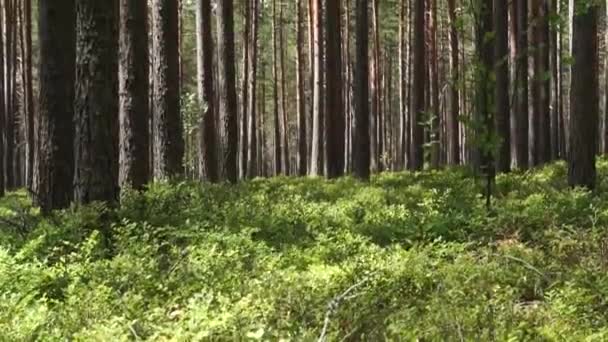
x: 329, y: 170
x: 265, y: 88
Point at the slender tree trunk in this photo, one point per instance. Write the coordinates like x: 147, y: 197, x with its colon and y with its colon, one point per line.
x: 603, y: 74
x: 96, y: 102
x: 10, y: 58
x: 347, y: 89
x: 227, y: 89
x: 555, y: 91
x: 133, y: 92
x: 361, y: 149
x: 311, y: 80
x: 584, y: 99
x: 316, y: 162
x: 28, y: 92
x: 263, y: 145
x: 545, y: 123
x: 401, y: 154
x: 521, y: 66
x: 535, y: 67
x: 453, y: 148
x: 302, y: 159
x: 243, y: 139
x: 252, y: 163
x: 435, y: 124
x: 418, y: 86
x: 283, y: 107
x: 207, y: 129
x: 3, y: 104
x: 563, y: 77
x: 334, y: 117
x: 278, y: 162
x: 502, y: 100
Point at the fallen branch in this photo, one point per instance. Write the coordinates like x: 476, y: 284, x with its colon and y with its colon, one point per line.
x: 524, y: 263
x: 334, y: 304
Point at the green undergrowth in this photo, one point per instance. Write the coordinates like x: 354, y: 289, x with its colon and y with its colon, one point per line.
x: 405, y: 257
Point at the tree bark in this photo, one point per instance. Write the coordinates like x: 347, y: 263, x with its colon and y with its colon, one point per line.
x: 278, y: 160
x: 245, y: 92
x: 521, y: 66
x: 133, y: 92
x: 227, y: 89
x: 434, y: 81
x: 302, y: 159
x: 334, y: 118
x: 316, y: 162
x: 252, y: 163
x: 2, y: 108
x: 28, y: 93
x: 453, y: 148
x: 96, y: 102
x: 168, y: 131
x: 402, y: 84
x: 207, y: 130
x: 9, y: 121
x: 283, y: 106
x: 361, y: 142
x: 584, y: 99
x: 418, y: 86
x: 502, y: 105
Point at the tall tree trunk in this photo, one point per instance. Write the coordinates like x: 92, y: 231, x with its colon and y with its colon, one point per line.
x: 453, y: 148
x: 311, y: 79
x: 227, y: 89
x: 539, y: 123
x: 402, y: 84
x: 545, y: 122
x: 334, y: 117
x: 302, y: 159
x: 2, y: 105
x: 604, y: 38
x: 563, y: 77
x: 418, y: 86
x: 133, y: 91
x: 245, y: 92
x: 555, y: 84
x: 521, y: 66
x: 168, y: 131
x: 584, y: 98
x: 252, y: 92
x: 283, y: 106
x: 262, y: 127
x: 278, y: 161
x: 433, y: 61
x: 10, y: 58
x: 316, y: 162
x: 374, y: 90
x: 21, y: 106
x: 361, y: 142
x: 501, y: 108
x: 535, y: 67
x: 96, y: 102
x: 207, y: 129
x: 28, y: 92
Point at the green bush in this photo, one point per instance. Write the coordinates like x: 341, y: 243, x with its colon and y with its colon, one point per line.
x: 404, y: 257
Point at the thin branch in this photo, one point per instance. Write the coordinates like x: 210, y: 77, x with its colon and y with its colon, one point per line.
x: 334, y: 304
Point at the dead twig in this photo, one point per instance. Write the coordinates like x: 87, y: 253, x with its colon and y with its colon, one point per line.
x: 334, y: 304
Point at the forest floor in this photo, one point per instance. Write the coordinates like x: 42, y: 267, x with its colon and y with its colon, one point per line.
x: 406, y: 256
